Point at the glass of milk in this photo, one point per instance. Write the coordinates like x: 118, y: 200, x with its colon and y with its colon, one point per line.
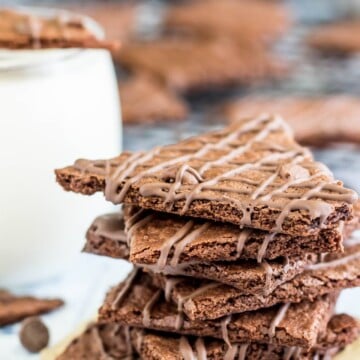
x: 55, y: 106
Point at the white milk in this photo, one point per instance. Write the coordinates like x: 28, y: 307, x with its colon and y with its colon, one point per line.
x: 55, y: 106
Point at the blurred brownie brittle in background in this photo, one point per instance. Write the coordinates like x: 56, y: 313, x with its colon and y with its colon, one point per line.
x: 246, y: 22
x: 146, y: 100
x: 192, y: 65
x: 340, y: 38
x: 20, y: 30
x: 319, y: 121
x: 119, y: 20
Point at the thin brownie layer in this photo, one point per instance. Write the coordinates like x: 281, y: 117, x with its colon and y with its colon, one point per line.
x: 28, y: 31
x: 248, y: 276
x: 16, y: 308
x: 139, y: 303
x: 220, y: 241
x: 111, y: 340
x: 201, y: 241
x: 210, y: 300
x: 342, y: 330
x: 251, y: 173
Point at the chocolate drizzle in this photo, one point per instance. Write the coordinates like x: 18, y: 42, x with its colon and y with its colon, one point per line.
x: 200, y: 349
x: 178, y: 173
x: 231, y: 353
x: 293, y: 352
x: 170, y: 283
x: 242, y: 237
x: 136, y: 222
x: 166, y: 247
x: 186, y: 240
x: 268, y: 276
x: 338, y: 262
x: 186, y: 233
x: 110, y: 226
x: 234, y: 350
x: 224, y: 329
x: 264, y: 246
x: 139, y: 340
x: 278, y: 318
x: 148, y: 307
x: 242, y: 351
x: 125, y: 288
x: 169, y: 287
x: 186, y: 350
x: 199, y: 291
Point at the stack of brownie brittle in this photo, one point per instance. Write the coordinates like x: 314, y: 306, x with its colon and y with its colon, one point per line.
x: 241, y: 244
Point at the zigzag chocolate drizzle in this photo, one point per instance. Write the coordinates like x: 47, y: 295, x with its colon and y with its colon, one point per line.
x: 185, y: 173
x: 148, y: 307
x: 278, y: 318
x: 125, y: 288
x: 338, y: 262
x: 224, y: 329
x: 110, y: 226
x: 185, y: 349
x: 292, y: 353
x: 187, y: 352
x: 170, y: 194
x: 166, y: 247
x: 170, y: 285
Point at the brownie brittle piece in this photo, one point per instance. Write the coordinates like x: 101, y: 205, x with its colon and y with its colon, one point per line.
x: 213, y: 64
x: 145, y: 100
x: 342, y: 330
x: 210, y: 300
x: 138, y: 302
x: 338, y: 39
x: 20, y: 30
x: 317, y: 121
x: 14, y: 308
x: 251, y: 173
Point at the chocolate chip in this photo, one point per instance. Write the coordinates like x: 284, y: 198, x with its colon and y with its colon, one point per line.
x: 34, y: 335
